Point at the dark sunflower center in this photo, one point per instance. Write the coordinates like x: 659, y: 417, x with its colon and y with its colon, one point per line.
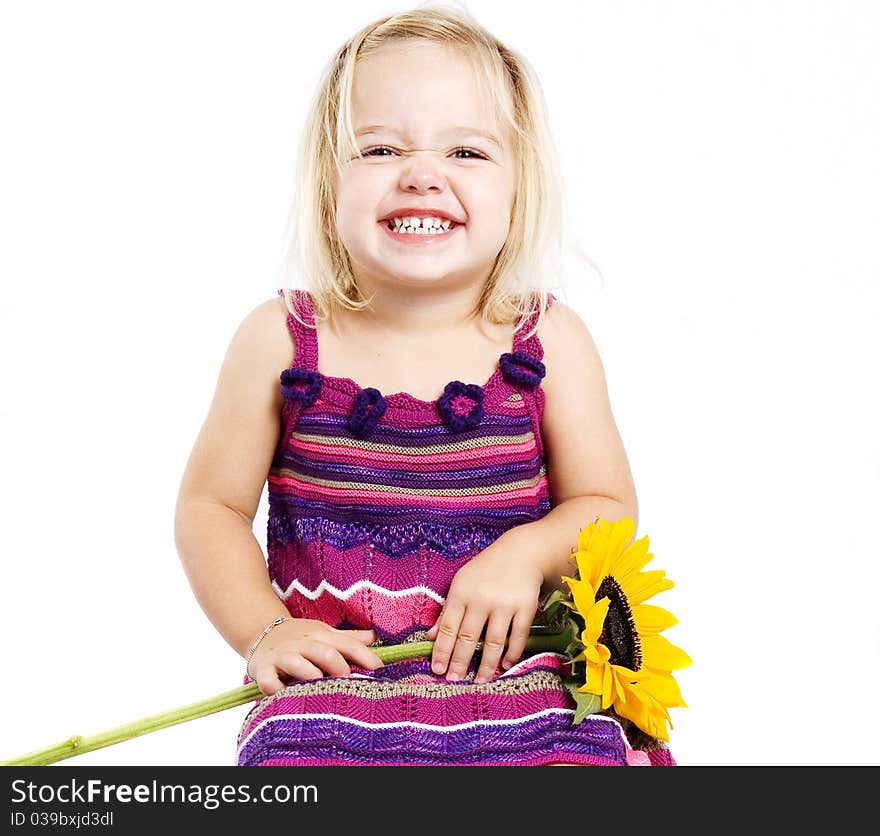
x: 619, y: 632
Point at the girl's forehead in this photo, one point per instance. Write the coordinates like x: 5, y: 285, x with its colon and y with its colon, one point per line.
x: 415, y: 89
x: 416, y: 52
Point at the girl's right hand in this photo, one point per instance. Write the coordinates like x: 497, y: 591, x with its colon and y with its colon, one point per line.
x: 304, y: 648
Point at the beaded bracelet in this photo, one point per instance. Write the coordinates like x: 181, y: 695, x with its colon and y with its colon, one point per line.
x: 258, y: 639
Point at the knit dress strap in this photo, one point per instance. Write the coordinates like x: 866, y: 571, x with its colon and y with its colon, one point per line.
x: 523, y: 368
x: 531, y: 345
x: 305, y: 337
x: 300, y: 382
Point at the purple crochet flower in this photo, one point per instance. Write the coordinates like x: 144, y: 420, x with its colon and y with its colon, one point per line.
x: 461, y: 405
x: 299, y: 384
x: 369, y: 407
x: 519, y: 367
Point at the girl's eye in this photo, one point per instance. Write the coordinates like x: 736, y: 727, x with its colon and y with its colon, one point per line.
x: 472, y: 154
x: 370, y: 152
x: 475, y: 154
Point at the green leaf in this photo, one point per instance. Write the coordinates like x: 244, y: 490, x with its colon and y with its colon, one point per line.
x: 555, y: 597
x: 585, y: 704
x: 574, y: 649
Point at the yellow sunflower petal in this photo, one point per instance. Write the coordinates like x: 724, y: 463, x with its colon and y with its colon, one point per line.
x: 588, y: 562
x: 598, y: 571
x: 595, y: 619
x: 651, y: 620
x: 638, y: 710
x: 599, y: 545
x: 596, y: 653
x: 593, y: 679
x: 658, y: 719
x: 633, y: 559
x: 655, y: 693
x: 664, y: 689
x: 639, y: 588
x: 620, y: 685
x: 583, y: 596
x: 585, y: 553
x: 607, y: 687
x: 608, y: 549
x: 658, y: 726
x: 646, y: 713
x: 585, y: 537
x: 619, y: 533
x: 628, y: 674
x: 658, y: 652
x: 626, y: 679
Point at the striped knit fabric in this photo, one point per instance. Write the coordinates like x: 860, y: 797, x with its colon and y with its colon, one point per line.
x: 374, y: 503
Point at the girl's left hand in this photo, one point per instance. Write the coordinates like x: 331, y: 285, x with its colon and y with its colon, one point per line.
x: 498, y: 590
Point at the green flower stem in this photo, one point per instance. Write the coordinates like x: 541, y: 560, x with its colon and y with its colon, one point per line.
x: 80, y: 745
x: 553, y: 642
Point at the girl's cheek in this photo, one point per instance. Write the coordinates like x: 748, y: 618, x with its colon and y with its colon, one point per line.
x: 370, y: 180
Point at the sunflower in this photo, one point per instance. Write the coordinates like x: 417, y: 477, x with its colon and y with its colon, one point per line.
x: 628, y: 663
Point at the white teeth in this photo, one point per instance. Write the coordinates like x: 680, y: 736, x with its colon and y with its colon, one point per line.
x: 421, y: 226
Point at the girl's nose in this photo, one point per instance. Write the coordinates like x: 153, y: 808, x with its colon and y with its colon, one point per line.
x: 422, y: 171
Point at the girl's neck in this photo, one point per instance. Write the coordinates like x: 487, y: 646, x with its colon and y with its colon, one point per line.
x: 408, y: 312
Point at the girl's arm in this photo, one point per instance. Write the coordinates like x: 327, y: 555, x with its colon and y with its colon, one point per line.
x: 216, y: 505
x: 224, y: 478
x: 587, y: 465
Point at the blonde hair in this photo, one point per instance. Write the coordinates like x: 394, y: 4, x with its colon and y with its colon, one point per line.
x: 517, y: 286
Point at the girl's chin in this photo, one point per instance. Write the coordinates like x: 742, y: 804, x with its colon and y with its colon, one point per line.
x: 397, y: 276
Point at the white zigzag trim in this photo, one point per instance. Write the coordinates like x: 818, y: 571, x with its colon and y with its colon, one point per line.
x: 440, y: 729
x: 528, y: 662
x: 345, y: 594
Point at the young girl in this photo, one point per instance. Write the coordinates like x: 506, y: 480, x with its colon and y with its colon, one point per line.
x: 439, y: 434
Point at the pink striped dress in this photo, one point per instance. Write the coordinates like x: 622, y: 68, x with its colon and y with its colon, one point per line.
x: 374, y: 503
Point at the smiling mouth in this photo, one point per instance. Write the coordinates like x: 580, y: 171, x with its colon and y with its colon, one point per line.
x: 419, y: 237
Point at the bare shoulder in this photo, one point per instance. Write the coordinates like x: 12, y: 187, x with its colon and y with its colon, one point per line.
x: 570, y: 352
x: 264, y: 336
x: 232, y: 454
x: 583, y: 447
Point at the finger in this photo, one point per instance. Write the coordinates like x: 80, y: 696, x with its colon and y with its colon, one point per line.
x: 446, y: 632
x: 291, y: 667
x: 363, y: 636
x: 465, y: 644
x: 326, y: 657
x: 516, y: 643
x: 493, y: 646
x: 297, y: 667
x: 361, y: 655
x: 267, y: 682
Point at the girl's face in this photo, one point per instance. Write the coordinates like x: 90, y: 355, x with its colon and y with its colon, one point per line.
x: 428, y: 145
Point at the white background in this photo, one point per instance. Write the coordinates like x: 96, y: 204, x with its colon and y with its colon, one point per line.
x: 722, y: 169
